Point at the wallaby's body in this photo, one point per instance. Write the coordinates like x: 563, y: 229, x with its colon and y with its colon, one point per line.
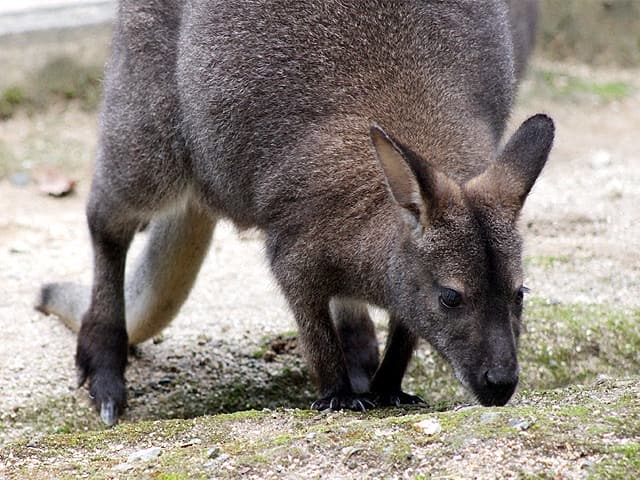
x: 273, y: 113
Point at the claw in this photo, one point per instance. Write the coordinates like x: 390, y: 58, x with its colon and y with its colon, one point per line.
x: 358, y: 404
x: 366, y: 404
x: 398, y: 399
x: 109, y: 412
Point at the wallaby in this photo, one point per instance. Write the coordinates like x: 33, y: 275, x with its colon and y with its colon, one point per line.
x: 362, y: 137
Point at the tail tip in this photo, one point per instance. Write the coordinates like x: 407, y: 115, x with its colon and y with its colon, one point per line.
x: 44, y: 298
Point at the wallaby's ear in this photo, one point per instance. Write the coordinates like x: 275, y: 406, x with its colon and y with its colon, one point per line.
x: 508, y: 181
x: 401, y: 178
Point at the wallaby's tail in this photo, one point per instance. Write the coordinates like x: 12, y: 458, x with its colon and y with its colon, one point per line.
x: 159, y: 284
x: 68, y: 301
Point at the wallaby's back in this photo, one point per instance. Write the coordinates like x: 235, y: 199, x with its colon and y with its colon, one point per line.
x: 260, y: 81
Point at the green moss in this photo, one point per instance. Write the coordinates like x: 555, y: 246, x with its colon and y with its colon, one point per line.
x: 561, y: 86
x: 573, y: 343
x: 10, y: 100
x: 62, y: 79
x: 622, y: 461
x: 65, y: 79
x: 547, y: 261
x: 257, y: 442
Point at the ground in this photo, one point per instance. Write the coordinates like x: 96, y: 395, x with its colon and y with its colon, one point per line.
x: 232, y: 348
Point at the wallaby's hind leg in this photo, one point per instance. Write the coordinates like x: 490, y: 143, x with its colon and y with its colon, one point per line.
x: 386, y: 386
x: 359, y: 343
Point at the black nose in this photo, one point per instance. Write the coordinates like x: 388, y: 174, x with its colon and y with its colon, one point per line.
x: 500, y: 377
x: 499, y: 385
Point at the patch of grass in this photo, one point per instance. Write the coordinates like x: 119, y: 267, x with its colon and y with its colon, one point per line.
x: 563, y: 86
x: 64, y: 79
x: 565, y: 344
x: 10, y: 100
x: 622, y: 461
x: 547, y: 261
x: 61, y: 80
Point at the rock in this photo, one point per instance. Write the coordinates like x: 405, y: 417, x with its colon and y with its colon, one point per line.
x: 34, y: 441
x: 600, y: 159
x: 466, y: 408
x: 122, y: 467
x: 213, y: 453
x: 489, y: 417
x: 19, y: 179
x: 520, y: 423
x: 269, y: 356
x: 53, y: 182
x: 430, y: 426
x: 145, y: 455
x: 190, y: 443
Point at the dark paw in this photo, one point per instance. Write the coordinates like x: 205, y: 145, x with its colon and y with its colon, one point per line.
x: 101, y: 360
x: 396, y: 399
x: 343, y: 402
x: 109, y: 395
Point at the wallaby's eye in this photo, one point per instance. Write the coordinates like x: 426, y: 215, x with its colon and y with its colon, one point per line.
x: 520, y: 295
x: 449, y: 298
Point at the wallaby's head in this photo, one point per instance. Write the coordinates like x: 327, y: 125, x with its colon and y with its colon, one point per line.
x: 456, y: 275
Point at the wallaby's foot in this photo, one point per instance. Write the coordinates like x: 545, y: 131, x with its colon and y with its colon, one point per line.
x: 101, y: 358
x: 355, y: 402
x: 396, y: 399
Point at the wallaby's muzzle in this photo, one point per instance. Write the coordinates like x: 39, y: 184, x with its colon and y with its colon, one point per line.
x: 495, y: 386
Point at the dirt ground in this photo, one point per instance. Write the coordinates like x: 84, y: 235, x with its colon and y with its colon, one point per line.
x: 581, y: 227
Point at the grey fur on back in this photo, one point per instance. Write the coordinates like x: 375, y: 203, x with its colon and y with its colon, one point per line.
x: 250, y: 101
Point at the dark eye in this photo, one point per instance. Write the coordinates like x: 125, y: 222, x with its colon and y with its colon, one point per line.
x: 449, y: 298
x: 520, y: 295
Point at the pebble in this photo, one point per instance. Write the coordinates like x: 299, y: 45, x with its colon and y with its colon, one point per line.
x: 430, y: 426
x: 520, y: 423
x: 20, y: 179
x: 34, y: 441
x: 122, y: 467
x: 190, y: 443
x: 145, y: 455
x: 489, y: 417
x: 213, y: 453
x: 600, y: 159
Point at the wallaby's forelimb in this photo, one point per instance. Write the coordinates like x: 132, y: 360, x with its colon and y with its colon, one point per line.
x: 386, y: 386
x: 159, y: 284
